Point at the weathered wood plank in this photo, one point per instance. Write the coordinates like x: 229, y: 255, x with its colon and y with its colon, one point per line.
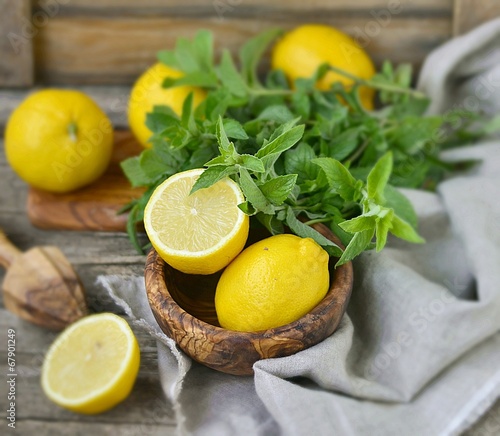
x: 47, y: 428
x: 116, y: 51
x: 239, y: 7
x: 146, y: 403
x: 16, y: 46
x: 468, y: 14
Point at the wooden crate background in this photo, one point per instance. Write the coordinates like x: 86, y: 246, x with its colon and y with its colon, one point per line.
x: 109, y: 42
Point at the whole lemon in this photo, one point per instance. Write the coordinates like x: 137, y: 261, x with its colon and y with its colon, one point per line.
x: 302, y: 50
x: 148, y: 92
x: 58, y: 140
x: 272, y: 283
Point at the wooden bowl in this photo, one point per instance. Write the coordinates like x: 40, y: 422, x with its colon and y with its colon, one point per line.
x: 184, y: 307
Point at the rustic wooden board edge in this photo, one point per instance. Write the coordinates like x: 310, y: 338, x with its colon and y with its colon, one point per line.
x: 16, y: 43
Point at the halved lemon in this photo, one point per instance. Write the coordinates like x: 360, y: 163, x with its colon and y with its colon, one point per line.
x: 199, y: 233
x: 92, y: 365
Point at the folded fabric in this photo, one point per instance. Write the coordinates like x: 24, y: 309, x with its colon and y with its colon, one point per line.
x: 418, y: 349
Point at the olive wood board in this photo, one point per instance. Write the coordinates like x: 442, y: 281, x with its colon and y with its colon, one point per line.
x: 94, y: 207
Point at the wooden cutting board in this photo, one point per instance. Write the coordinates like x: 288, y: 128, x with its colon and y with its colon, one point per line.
x: 94, y: 207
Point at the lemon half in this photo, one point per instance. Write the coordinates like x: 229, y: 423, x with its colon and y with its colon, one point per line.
x: 199, y: 233
x: 92, y: 365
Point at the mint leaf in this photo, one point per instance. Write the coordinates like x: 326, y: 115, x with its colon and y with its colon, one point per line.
x: 345, y: 143
x: 378, y: 178
x: 383, y: 226
x: 197, y: 78
x: 134, y: 173
x: 203, y: 48
x: 279, y: 113
x: 403, y: 230
x: 252, y: 51
x: 230, y: 77
x: 305, y: 231
x: 251, y: 163
x: 234, y: 129
x: 279, y: 188
x: 339, y: 178
x: 359, y: 224
x: 253, y: 194
x: 401, y: 205
x: 357, y: 245
x: 298, y: 161
x: 211, y: 176
x: 283, y: 142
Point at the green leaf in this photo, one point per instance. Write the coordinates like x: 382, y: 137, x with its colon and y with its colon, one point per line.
x: 403, y: 230
x: 345, y: 143
x: 271, y: 223
x: 230, y: 77
x: 253, y: 194
x: 167, y: 57
x: 203, y: 47
x: 401, y: 205
x: 282, y: 142
x: 185, y: 57
x: 279, y: 113
x: 211, y: 176
x: 225, y: 146
x: 339, y: 178
x: 252, y: 51
x: 251, y: 163
x: 383, y: 226
x: 413, y: 132
x: 378, y: 178
x: 196, y: 78
x: 134, y: 173
x: 187, y: 116
x: 158, y: 122
x: 359, y: 224
x: 298, y: 161
x: 358, y: 244
x: 234, y: 129
x: 305, y: 231
x: 279, y: 188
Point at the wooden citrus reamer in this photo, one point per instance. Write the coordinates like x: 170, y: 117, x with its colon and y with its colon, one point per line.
x: 41, y: 286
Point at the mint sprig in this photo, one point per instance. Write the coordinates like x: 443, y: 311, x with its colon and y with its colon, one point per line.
x: 300, y: 155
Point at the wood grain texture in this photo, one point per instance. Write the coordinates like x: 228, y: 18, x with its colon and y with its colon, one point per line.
x: 16, y: 43
x: 238, y: 7
x: 468, y: 14
x: 93, y: 254
x: 195, y: 329
x: 94, y: 207
x: 42, y: 287
x: 116, y: 51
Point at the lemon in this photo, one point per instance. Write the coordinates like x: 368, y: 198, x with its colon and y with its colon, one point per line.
x: 272, y: 283
x: 302, y: 50
x: 92, y: 365
x: 148, y: 92
x: 199, y: 233
x: 58, y: 140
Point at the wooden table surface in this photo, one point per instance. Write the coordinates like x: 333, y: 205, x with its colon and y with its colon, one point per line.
x: 146, y: 411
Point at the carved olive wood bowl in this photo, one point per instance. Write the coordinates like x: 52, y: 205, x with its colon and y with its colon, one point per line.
x: 184, y: 307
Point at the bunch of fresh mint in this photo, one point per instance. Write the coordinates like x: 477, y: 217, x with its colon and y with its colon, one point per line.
x: 300, y: 155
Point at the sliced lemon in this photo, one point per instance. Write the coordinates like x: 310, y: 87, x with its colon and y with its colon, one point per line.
x: 92, y: 365
x: 199, y: 233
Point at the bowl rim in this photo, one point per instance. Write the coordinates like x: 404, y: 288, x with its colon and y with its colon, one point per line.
x: 342, y: 280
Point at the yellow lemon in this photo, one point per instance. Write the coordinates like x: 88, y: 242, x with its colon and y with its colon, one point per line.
x: 148, y: 92
x: 272, y: 283
x: 58, y: 140
x: 302, y: 50
x: 92, y: 365
x: 199, y: 233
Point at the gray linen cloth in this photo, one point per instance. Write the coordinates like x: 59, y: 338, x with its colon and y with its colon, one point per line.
x: 418, y: 351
